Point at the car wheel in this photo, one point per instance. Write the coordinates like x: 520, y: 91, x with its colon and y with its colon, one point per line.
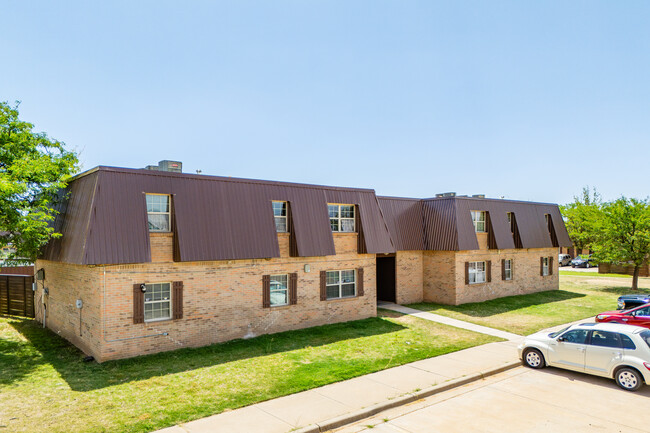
x: 587, y: 266
x: 533, y: 358
x: 628, y: 379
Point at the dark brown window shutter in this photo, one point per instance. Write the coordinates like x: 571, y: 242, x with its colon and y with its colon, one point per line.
x: 360, y: 282
x: 541, y: 266
x: 488, y: 265
x: 361, y: 239
x: 138, y: 304
x: 550, y: 265
x: 503, y: 269
x: 177, y: 300
x: 293, y: 242
x: 466, y: 272
x: 266, y: 291
x: 293, y: 289
x: 323, y: 285
x: 492, y: 241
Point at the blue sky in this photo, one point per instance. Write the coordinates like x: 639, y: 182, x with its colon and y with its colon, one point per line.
x: 527, y: 100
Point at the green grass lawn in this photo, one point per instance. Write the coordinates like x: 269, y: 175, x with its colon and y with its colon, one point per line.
x: 45, y: 386
x: 579, y: 297
x: 592, y: 274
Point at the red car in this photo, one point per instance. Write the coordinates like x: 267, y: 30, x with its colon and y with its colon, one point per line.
x: 639, y: 316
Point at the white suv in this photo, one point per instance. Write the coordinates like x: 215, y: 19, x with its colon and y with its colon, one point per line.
x: 564, y: 260
x: 621, y: 352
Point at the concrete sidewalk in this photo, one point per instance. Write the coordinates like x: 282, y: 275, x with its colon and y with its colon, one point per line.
x: 449, y: 321
x: 337, y: 404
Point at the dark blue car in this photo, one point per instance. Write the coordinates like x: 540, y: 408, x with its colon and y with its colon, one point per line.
x: 579, y: 262
x: 626, y: 302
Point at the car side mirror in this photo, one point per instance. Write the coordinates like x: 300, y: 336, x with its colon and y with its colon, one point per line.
x: 561, y: 339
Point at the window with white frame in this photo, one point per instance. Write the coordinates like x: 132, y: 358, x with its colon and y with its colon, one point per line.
x: 280, y: 215
x: 544, y: 266
x: 279, y: 290
x: 341, y: 284
x: 476, y: 272
x: 507, y: 269
x: 341, y: 217
x: 158, y: 302
x: 158, y: 214
x: 478, y: 218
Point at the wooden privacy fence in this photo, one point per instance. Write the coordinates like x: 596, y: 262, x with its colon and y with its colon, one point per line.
x: 16, y: 295
x: 606, y: 268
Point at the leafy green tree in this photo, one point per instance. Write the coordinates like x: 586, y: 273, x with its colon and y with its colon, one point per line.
x: 582, y: 218
x: 33, y: 168
x: 624, y: 234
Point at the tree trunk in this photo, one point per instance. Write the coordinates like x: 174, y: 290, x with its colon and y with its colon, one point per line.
x: 635, y: 278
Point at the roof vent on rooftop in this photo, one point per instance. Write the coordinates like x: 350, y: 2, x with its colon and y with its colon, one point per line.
x: 478, y: 195
x: 167, y: 165
x: 446, y: 194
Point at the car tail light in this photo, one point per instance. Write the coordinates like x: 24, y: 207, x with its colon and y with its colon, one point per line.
x: 647, y: 365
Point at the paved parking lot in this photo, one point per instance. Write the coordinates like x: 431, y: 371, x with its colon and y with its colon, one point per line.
x: 587, y: 270
x: 521, y: 400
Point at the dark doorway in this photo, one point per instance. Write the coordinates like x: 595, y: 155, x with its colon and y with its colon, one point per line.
x: 386, y: 279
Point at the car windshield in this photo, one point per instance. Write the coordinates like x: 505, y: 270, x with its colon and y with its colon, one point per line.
x: 645, y: 335
x: 556, y: 333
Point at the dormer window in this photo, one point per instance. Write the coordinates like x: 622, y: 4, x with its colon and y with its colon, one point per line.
x: 478, y: 218
x: 158, y: 214
x: 510, y: 224
x: 280, y: 216
x: 341, y: 217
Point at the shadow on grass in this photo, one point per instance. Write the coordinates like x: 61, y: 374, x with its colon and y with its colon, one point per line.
x: 45, y: 347
x: 502, y: 305
x: 17, y: 358
x: 614, y: 290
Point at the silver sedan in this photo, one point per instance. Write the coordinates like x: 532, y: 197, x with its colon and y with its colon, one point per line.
x: 621, y: 352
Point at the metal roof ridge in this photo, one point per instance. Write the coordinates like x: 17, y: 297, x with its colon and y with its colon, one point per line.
x: 500, y: 200
x: 85, y: 173
x: 145, y: 172
x: 389, y: 197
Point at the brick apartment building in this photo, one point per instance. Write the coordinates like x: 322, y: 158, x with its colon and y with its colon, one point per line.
x: 151, y: 261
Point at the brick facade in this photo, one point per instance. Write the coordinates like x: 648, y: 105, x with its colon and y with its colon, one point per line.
x: 66, y: 283
x: 408, y: 277
x: 444, y: 274
x: 222, y: 300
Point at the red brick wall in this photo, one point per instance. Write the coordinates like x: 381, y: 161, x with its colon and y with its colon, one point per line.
x: 222, y: 299
x: 67, y: 283
x: 444, y: 275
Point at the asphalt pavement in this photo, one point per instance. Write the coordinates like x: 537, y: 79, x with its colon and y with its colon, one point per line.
x: 520, y: 400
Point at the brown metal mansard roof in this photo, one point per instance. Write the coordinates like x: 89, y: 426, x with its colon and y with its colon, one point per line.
x: 446, y: 223
x: 104, y: 220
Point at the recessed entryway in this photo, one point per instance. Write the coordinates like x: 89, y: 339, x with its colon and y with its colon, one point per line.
x: 386, y: 279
